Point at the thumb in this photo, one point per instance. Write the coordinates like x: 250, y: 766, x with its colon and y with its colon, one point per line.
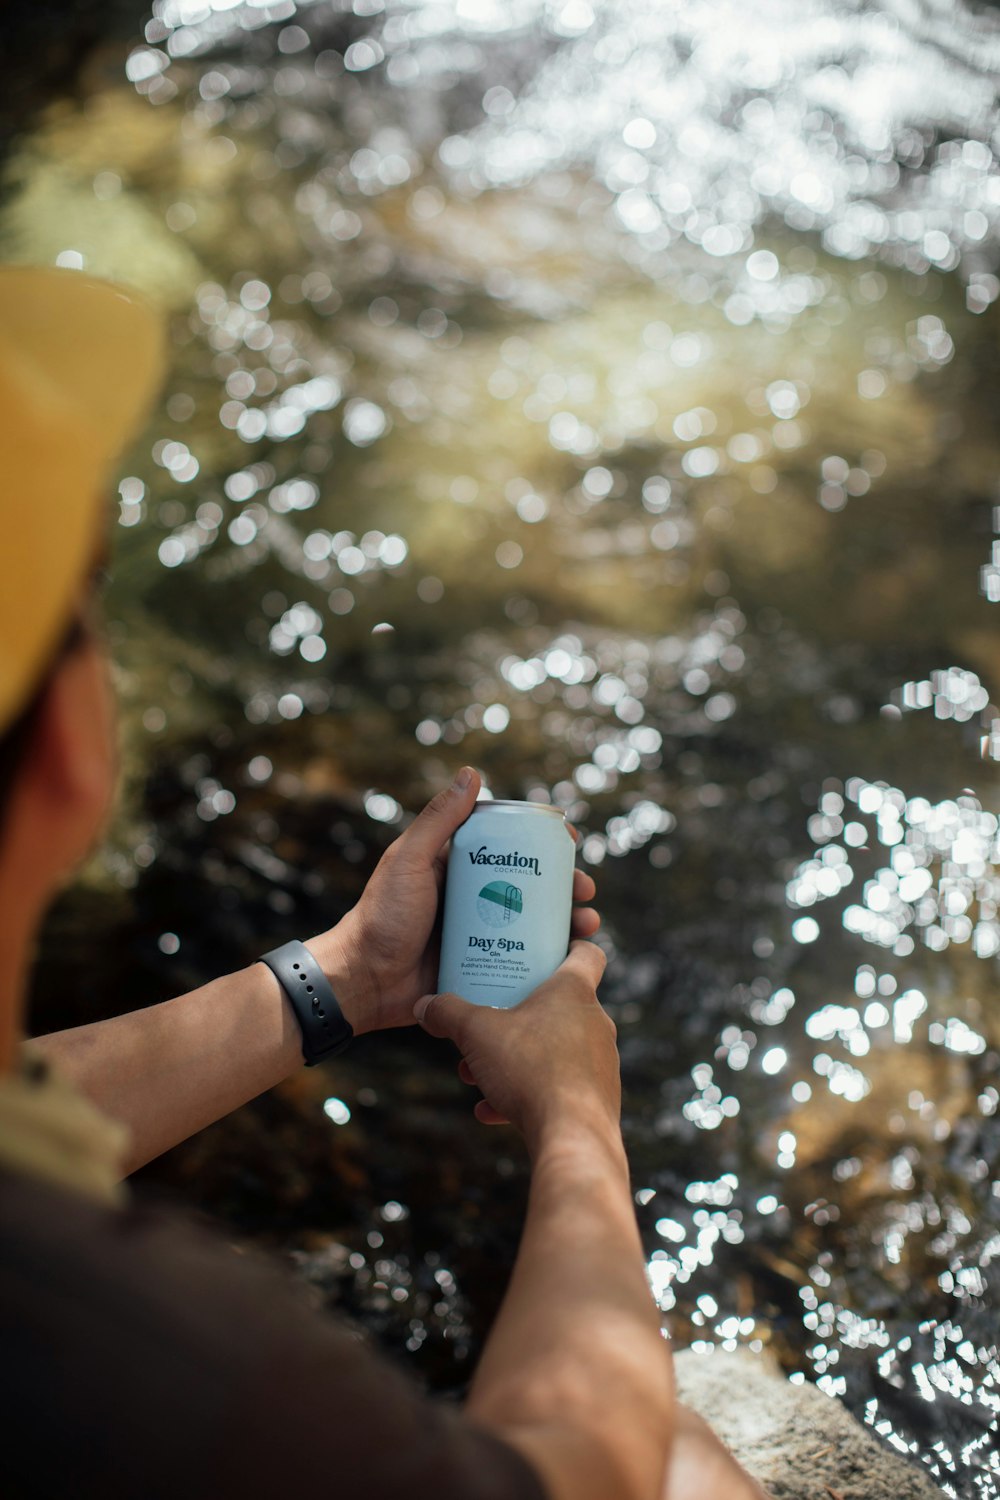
x: 444, y: 1016
x: 432, y: 828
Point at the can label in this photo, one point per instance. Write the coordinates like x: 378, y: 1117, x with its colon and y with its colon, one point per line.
x: 508, y: 902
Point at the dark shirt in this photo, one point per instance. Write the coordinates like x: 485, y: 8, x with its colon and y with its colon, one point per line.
x: 140, y: 1359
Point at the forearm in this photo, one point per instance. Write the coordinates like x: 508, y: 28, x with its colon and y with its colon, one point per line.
x: 702, y: 1466
x: 169, y: 1070
x: 576, y: 1372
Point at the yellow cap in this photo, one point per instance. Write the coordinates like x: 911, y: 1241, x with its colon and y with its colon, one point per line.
x: 80, y: 361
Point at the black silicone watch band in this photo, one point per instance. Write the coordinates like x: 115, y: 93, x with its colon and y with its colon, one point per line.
x: 325, y: 1029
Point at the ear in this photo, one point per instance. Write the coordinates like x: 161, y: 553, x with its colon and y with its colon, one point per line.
x: 67, y: 775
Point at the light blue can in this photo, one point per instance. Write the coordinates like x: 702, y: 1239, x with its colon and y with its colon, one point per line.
x: 508, y: 902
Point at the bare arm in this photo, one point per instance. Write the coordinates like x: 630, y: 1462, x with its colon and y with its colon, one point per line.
x: 171, y: 1069
x: 575, y: 1372
x: 701, y: 1465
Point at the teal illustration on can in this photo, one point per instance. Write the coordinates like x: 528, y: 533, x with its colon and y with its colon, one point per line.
x: 508, y: 902
x: 499, y: 904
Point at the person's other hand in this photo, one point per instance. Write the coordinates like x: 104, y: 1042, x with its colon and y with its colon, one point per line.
x: 536, y: 1064
x: 384, y: 954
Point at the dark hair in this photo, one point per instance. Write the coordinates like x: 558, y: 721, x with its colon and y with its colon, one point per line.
x: 16, y: 738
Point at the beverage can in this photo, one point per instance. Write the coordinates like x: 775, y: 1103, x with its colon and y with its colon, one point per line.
x: 508, y: 902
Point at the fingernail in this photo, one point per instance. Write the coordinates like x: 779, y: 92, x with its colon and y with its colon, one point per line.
x: 464, y: 778
x: 422, y: 1006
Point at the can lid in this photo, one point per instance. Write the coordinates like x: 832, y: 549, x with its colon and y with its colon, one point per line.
x: 538, y: 807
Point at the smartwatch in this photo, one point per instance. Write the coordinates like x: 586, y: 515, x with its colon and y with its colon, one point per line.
x: 325, y: 1029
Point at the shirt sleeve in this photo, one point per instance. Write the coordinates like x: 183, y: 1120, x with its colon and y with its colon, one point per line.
x: 142, y: 1357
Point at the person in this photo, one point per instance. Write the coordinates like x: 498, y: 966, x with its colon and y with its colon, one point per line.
x: 140, y: 1357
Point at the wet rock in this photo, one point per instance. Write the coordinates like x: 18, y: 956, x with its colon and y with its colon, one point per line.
x: 800, y: 1444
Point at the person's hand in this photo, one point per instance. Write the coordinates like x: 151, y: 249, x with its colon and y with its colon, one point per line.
x: 550, y: 1058
x: 384, y: 954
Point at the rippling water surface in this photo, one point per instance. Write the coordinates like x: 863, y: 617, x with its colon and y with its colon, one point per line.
x: 603, y: 394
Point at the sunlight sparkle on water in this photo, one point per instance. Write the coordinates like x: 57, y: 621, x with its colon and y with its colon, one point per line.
x: 802, y: 198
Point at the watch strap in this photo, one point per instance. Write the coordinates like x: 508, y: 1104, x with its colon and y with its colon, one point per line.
x: 325, y: 1029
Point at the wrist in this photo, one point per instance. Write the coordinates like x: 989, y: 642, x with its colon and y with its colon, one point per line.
x: 578, y: 1128
x: 345, y: 976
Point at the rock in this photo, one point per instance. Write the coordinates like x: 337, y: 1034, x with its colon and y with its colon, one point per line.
x: 799, y: 1443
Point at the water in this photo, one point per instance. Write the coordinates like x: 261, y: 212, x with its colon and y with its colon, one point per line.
x: 605, y: 396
